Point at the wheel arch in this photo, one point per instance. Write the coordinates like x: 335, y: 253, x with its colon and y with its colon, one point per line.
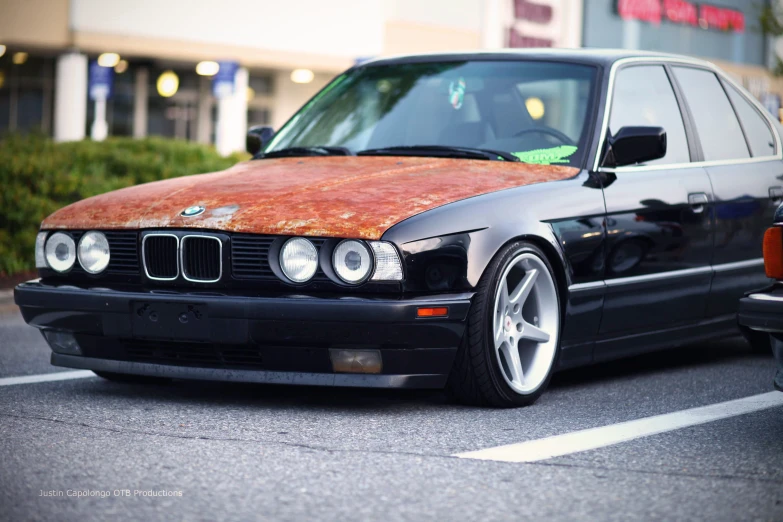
x: 556, y: 260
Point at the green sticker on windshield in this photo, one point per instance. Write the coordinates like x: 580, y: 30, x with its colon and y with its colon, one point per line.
x: 547, y: 156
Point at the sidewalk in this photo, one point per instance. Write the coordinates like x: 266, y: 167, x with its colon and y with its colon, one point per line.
x: 7, y: 301
x: 6, y: 296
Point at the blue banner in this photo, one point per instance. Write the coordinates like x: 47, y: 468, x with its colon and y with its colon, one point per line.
x: 101, y: 82
x: 223, y: 81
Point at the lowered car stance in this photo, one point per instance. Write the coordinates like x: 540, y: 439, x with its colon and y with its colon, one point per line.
x: 761, y: 311
x: 468, y: 221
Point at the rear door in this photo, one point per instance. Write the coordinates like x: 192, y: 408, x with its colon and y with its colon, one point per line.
x: 659, y: 229
x: 740, y: 154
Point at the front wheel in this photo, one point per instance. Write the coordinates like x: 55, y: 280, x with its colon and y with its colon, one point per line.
x: 510, y: 348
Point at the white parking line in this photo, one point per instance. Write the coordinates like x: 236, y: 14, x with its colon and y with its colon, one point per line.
x: 584, y: 440
x: 46, y: 377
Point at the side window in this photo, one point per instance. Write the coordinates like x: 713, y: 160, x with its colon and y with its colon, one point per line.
x: 719, y: 131
x: 759, y: 135
x: 643, y: 96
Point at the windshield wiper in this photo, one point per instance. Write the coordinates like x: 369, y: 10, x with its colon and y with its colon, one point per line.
x: 321, y: 150
x: 440, y: 151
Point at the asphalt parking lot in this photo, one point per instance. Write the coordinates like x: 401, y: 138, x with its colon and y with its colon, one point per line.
x: 282, y: 453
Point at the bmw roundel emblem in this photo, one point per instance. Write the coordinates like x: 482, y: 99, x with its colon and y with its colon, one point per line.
x: 193, y: 211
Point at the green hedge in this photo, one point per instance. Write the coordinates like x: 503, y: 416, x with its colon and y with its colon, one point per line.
x: 38, y: 176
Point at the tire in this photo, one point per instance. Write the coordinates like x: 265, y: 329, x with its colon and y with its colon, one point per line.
x: 482, y: 374
x: 131, y: 379
x: 759, y: 342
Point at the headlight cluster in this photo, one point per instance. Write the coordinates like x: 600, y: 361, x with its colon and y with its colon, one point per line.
x: 59, y: 252
x: 352, y: 261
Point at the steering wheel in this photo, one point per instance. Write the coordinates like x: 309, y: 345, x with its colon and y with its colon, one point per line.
x: 548, y: 131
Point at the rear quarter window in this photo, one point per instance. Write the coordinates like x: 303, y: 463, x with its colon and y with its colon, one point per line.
x: 757, y: 131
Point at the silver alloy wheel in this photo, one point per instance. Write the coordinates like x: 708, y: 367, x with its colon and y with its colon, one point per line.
x: 526, y: 323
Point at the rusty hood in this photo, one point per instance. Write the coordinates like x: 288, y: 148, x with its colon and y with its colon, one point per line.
x: 358, y: 197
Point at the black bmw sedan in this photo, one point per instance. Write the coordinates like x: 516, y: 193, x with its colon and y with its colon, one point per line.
x: 470, y: 221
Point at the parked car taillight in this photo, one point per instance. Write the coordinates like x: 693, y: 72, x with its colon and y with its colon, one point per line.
x: 773, y: 252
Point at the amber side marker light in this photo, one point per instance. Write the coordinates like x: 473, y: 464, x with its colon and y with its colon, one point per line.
x: 432, y: 312
x: 773, y: 252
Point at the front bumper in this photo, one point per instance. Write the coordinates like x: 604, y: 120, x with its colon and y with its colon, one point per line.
x: 763, y: 311
x: 248, y: 338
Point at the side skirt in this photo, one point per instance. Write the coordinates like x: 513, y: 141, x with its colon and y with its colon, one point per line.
x: 611, y: 348
x: 634, y: 344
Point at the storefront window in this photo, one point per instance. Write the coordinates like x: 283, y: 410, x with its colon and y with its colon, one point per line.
x: 26, y: 94
x: 5, y: 106
x: 120, y: 111
x: 175, y: 116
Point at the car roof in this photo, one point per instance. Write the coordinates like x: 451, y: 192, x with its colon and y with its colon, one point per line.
x: 604, y: 57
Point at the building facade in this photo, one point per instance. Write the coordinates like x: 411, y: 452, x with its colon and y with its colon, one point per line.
x: 163, y: 53
x: 286, y: 51
x: 726, y: 32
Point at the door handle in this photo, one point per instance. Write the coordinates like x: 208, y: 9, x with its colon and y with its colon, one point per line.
x: 697, y: 201
x: 776, y: 194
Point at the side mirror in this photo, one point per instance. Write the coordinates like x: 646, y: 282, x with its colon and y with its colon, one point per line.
x: 633, y: 145
x: 258, y: 137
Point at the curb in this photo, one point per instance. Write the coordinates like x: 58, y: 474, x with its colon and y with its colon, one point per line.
x: 6, y: 297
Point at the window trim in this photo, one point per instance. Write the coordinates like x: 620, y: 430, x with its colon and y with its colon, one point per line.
x: 664, y: 60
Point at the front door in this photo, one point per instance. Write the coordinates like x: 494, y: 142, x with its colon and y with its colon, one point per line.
x: 658, y: 223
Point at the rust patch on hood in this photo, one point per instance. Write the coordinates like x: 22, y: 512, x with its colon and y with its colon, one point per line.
x: 358, y: 197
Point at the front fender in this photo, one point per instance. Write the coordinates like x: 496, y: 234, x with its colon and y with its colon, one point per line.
x: 471, y: 231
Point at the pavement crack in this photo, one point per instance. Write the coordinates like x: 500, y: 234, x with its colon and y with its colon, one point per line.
x: 670, y: 473
x: 222, y: 439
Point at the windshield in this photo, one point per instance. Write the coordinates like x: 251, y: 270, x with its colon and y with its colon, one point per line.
x: 533, y: 111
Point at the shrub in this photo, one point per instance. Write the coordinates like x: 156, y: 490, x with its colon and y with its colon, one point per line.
x: 38, y: 176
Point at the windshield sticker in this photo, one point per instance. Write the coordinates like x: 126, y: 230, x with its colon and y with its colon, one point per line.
x: 547, y: 156
x: 457, y: 93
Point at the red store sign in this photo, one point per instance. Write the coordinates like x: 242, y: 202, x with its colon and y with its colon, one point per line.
x: 535, y: 12
x: 682, y: 12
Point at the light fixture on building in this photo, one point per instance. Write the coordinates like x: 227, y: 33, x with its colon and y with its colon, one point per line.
x: 250, y: 93
x: 19, y: 58
x: 121, y: 66
x: 207, y: 68
x: 2, y: 79
x: 168, y: 83
x: 535, y: 107
x: 2, y: 50
x: 302, y: 76
x: 108, y: 59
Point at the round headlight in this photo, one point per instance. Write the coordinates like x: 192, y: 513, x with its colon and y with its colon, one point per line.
x: 352, y: 261
x: 298, y: 260
x: 60, y: 252
x: 94, y: 252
